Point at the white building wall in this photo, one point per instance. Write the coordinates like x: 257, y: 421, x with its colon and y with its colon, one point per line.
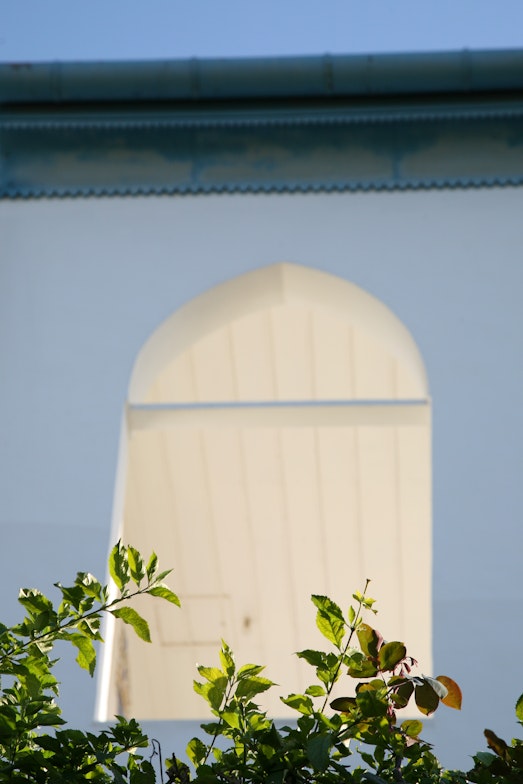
x: 83, y: 283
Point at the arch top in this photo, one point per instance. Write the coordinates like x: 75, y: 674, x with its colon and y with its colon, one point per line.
x: 296, y: 290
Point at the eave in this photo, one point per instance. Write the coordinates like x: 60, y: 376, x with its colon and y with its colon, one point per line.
x: 320, y: 123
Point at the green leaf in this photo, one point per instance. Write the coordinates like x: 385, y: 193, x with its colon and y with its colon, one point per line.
x: 453, y: 697
x: 136, y: 564
x: 213, y: 675
x: 34, y: 601
x: 426, y: 698
x: 519, y: 709
x: 161, y: 576
x: 131, y: 617
x: 315, y: 691
x: 343, y: 704
x: 73, y: 595
x: 485, y: 758
x: 390, y: 655
x: 363, y: 668
x: 196, y: 751
x: 86, y: 652
x: 318, y: 748
x: 370, y: 640
x: 412, y: 727
x: 329, y: 619
x: 231, y: 718
x: 299, y: 702
x: 227, y: 659
x: 249, y: 669
x: 316, y: 658
x: 371, y: 702
x: 213, y: 693
x: 249, y: 687
x: 89, y: 584
x: 164, y: 592
x: 327, y: 606
x: 330, y: 627
x: 119, y: 566
x: 152, y: 565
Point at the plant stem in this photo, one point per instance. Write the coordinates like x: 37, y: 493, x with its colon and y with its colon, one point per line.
x: 353, y: 628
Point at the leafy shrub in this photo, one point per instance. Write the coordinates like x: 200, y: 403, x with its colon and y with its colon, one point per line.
x: 243, y: 746
x: 29, y: 688
x: 319, y: 746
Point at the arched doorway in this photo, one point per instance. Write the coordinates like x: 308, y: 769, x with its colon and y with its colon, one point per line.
x: 278, y: 445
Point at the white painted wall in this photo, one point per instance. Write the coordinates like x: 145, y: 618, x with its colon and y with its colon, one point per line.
x: 83, y: 283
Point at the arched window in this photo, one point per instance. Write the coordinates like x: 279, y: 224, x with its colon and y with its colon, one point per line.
x: 278, y: 445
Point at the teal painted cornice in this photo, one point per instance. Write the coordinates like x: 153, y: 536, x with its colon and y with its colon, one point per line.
x: 306, y: 124
x: 254, y: 78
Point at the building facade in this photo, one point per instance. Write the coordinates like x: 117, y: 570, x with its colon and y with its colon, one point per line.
x: 226, y: 280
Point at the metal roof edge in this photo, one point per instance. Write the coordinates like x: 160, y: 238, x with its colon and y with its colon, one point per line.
x: 461, y: 72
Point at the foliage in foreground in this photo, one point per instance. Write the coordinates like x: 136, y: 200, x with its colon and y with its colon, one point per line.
x: 243, y: 744
x: 29, y: 688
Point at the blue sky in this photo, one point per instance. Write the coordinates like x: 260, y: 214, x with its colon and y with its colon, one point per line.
x: 40, y: 30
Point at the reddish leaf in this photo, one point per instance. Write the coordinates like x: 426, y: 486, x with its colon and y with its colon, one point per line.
x: 497, y: 744
x: 453, y: 698
x: 402, y: 694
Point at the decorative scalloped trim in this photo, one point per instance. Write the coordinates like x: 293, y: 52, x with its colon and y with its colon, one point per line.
x: 452, y: 183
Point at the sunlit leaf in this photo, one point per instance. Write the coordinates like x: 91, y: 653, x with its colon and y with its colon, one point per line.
x: 164, y: 592
x: 136, y: 564
x: 213, y: 675
x: 363, y: 668
x: 118, y: 566
x: 89, y: 584
x: 86, y: 652
x: 249, y: 669
x: 329, y: 619
x: 299, y: 702
x: 227, y: 659
x: 34, y: 601
x: 196, y: 751
x: 370, y: 640
x: 390, y: 655
x: 519, y: 709
x: 315, y: 691
x: 232, y: 718
x: 327, y: 606
x: 134, y: 619
x: 453, y: 697
x: 316, y: 658
x: 152, y: 565
x: 412, y: 727
x: 331, y: 628
x: 250, y: 687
